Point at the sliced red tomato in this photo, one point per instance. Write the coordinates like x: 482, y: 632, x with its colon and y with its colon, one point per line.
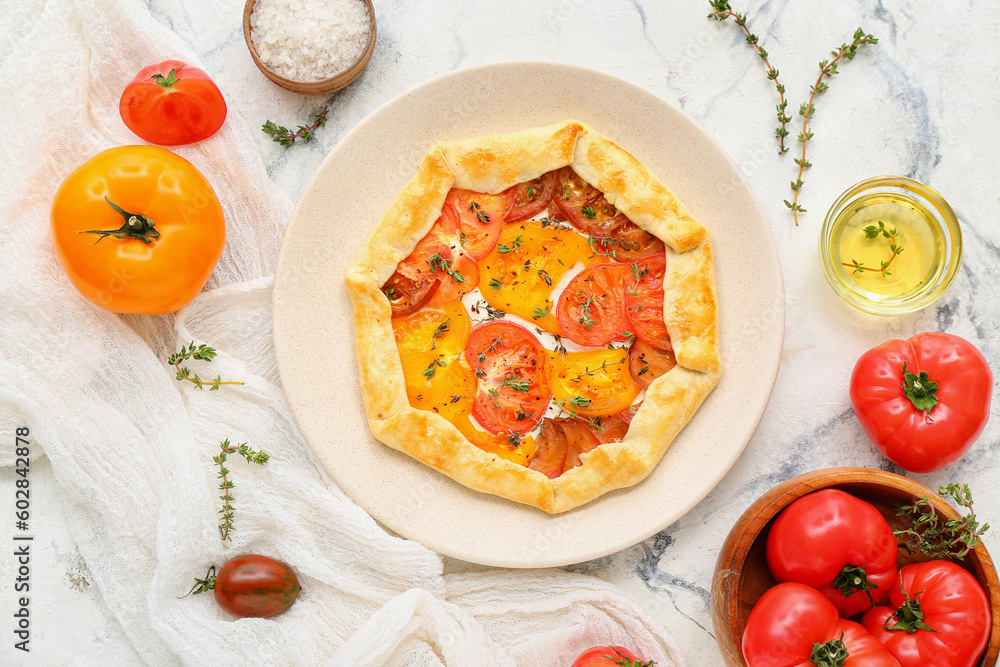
x: 579, y: 440
x: 437, y: 271
x: 531, y: 197
x: 456, y: 278
x: 630, y: 242
x: 591, y: 310
x: 584, y: 206
x: 441, y: 255
x: 509, y: 363
x: 591, y: 384
x: 550, y: 450
x: 612, y: 428
x: 644, y: 301
x: 529, y: 259
x: 407, y: 289
x: 482, y: 216
x: 646, y: 363
x: 612, y: 233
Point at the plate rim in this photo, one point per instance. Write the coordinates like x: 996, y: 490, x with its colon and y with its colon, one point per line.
x: 684, y: 507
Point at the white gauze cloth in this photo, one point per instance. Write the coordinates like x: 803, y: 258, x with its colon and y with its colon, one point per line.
x: 132, y: 447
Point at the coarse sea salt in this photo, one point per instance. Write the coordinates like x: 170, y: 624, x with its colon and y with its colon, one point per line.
x: 309, y: 40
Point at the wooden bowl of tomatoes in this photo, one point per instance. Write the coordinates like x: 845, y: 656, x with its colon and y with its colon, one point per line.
x: 742, y: 574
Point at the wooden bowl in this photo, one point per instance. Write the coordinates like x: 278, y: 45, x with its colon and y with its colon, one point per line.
x: 741, y: 572
x: 325, y: 86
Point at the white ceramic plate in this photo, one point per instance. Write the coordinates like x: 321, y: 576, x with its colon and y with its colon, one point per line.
x: 314, y: 333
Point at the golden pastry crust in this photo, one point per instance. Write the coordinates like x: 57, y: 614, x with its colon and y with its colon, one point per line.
x: 492, y: 164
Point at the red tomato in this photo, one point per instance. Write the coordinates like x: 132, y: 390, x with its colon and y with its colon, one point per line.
x: 579, y: 440
x: 446, y: 258
x: 644, y: 301
x: 609, y: 656
x: 255, y: 586
x: 614, y: 235
x: 481, y: 217
x: 923, y: 401
x: 631, y: 242
x: 437, y: 271
x: 550, y: 450
x: 531, y: 197
x: 591, y: 310
x: 863, y: 649
x: 456, y: 277
x: 509, y: 362
x: 172, y: 104
x: 573, y: 195
x: 646, y: 363
x: 835, y: 543
x: 612, y: 428
x: 408, y: 288
x: 794, y: 625
x: 937, y: 615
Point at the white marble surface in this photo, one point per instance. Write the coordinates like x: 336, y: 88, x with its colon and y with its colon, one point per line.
x: 923, y: 103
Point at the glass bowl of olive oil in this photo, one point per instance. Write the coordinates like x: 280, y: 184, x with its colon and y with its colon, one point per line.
x: 890, y: 245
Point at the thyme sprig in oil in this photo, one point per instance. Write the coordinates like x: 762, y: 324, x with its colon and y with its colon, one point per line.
x: 873, y: 232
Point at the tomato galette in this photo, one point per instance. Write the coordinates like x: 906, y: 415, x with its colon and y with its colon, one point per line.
x: 535, y: 316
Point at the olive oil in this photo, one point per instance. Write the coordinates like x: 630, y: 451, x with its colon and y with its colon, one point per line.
x: 890, y: 245
x: 914, y: 232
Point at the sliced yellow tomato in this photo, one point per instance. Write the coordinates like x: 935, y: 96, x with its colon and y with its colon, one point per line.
x: 518, y: 451
x: 592, y: 384
x: 431, y: 346
x: 529, y: 259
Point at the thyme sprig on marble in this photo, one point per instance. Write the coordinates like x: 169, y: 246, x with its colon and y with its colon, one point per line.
x: 930, y: 535
x: 226, y: 486
x: 285, y: 137
x: 827, y: 68
x: 723, y: 11
x: 198, y: 353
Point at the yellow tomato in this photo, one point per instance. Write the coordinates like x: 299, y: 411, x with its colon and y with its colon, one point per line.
x: 519, y: 274
x: 431, y: 345
x: 592, y: 384
x: 520, y: 452
x: 138, y: 229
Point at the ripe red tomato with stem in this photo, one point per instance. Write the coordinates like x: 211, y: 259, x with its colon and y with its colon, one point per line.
x: 251, y: 586
x: 923, y: 401
x: 937, y: 614
x: 609, y: 656
x: 838, y: 544
x: 794, y: 625
x: 512, y: 393
x: 172, y: 103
